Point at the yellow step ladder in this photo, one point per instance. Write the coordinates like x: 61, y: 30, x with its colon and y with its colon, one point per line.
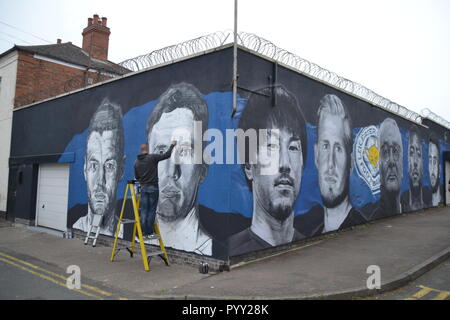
x: 137, y: 228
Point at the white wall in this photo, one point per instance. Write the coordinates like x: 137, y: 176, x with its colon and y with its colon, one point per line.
x: 8, y: 73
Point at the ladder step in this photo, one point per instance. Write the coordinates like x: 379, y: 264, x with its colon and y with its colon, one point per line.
x: 154, y: 236
x: 146, y: 256
x: 125, y: 221
x: 156, y: 253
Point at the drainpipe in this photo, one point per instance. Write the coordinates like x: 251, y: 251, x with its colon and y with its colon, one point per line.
x: 235, y: 60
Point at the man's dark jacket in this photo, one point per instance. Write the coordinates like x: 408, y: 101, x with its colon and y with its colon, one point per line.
x: 146, y: 167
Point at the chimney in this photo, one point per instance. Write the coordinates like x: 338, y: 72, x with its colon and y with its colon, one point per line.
x: 58, y: 41
x: 96, y: 38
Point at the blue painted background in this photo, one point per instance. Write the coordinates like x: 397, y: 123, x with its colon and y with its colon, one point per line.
x: 225, y: 189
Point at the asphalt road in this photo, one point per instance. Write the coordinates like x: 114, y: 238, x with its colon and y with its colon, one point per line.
x: 433, y: 285
x: 25, y: 278
x: 17, y: 284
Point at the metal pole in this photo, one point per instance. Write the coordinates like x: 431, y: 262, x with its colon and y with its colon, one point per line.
x: 235, y: 60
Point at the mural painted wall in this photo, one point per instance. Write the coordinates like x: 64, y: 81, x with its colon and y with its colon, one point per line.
x: 339, y: 161
x: 356, y: 162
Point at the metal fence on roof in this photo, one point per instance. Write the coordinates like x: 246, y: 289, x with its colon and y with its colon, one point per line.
x: 178, y: 51
x: 427, y: 113
x: 268, y: 49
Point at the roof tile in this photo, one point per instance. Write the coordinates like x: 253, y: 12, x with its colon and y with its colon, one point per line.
x: 70, y: 53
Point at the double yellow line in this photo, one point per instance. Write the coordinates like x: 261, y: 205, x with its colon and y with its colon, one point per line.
x: 439, y: 294
x: 53, y: 277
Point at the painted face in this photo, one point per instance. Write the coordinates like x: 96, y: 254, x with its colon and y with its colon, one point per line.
x: 415, y: 161
x: 102, y: 171
x: 391, y: 167
x: 179, y: 178
x: 433, y: 161
x: 332, y: 160
x: 276, y: 193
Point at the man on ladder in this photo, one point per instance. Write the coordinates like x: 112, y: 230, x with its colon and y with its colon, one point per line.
x: 146, y: 172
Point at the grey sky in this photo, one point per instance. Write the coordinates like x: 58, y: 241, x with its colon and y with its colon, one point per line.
x: 398, y: 48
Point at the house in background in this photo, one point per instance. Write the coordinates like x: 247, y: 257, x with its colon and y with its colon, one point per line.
x: 29, y: 74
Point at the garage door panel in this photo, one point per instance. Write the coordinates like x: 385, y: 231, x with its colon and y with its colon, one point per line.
x: 53, y: 186
x: 49, y: 191
x: 54, y: 169
x: 57, y: 180
x: 57, y: 194
x: 57, y: 174
x: 51, y: 221
x: 52, y: 201
x: 54, y: 182
x: 55, y: 197
x: 55, y: 205
x: 53, y: 213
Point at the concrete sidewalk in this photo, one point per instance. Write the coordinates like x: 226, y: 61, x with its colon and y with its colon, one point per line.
x: 125, y: 275
x: 334, y: 267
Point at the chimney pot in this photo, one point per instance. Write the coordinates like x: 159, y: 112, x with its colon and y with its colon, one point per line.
x: 58, y: 41
x: 96, y: 38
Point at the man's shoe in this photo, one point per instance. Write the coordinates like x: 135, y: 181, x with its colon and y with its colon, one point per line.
x: 153, y: 236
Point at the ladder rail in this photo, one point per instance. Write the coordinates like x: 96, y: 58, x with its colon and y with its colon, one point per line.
x: 94, y: 228
x: 137, y: 231
x: 116, y: 236
x: 161, y: 243
x: 88, y: 234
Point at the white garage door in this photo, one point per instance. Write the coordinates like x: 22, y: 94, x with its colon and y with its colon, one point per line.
x: 52, y: 196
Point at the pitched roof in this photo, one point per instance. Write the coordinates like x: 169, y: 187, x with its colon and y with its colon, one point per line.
x: 70, y: 53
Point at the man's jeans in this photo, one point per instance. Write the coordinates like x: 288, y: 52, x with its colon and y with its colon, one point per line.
x: 149, y: 201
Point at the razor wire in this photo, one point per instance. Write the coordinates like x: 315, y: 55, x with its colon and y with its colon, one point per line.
x: 267, y: 49
x: 178, y: 51
x: 284, y: 57
x: 428, y: 114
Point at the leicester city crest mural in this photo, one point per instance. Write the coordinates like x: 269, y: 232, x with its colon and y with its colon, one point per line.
x: 367, y: 156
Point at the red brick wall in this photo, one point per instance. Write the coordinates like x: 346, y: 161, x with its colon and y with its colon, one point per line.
x: 38, y: 79
x: 96, y: 43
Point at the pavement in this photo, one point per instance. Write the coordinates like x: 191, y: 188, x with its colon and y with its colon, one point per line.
x: 331, y: 267
x: 433, y: 285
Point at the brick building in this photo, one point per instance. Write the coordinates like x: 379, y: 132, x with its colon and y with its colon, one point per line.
x: 29, y: 74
